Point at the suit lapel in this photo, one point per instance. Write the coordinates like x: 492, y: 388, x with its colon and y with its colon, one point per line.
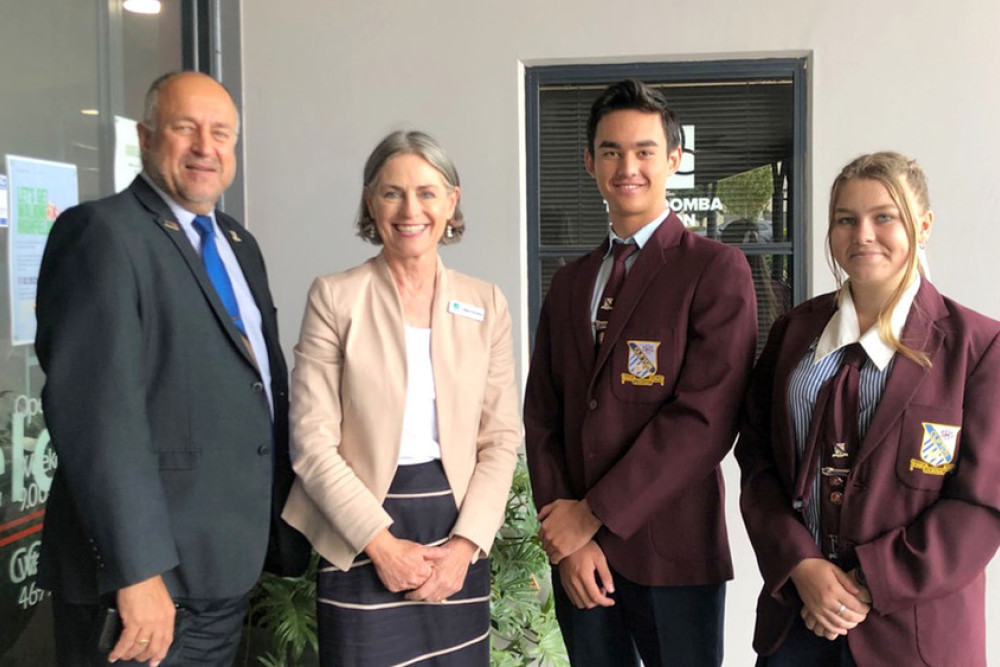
x: 388, y: 343
x: 164, y: 218
x: 444, y: 343
x: 906, y: 375
x: 580, y: 312
x: 798, y: 337
x: 650, y: 260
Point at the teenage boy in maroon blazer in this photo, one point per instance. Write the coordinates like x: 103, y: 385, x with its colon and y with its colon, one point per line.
x: 632, y: 402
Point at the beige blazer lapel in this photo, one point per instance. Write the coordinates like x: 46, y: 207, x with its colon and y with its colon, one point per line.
x: 389, y: 354
x: 444, y: 361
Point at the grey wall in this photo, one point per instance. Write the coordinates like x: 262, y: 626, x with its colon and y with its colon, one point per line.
x: 323, y: 81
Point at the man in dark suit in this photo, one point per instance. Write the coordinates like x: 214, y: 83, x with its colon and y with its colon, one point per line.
x: 640, y: 362
x: 166, y: 399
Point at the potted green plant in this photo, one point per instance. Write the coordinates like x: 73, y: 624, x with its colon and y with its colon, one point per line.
x: 281, y: 624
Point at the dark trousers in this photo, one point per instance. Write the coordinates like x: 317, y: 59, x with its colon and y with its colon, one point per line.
x: 207, y: 633
x: 803, y: 647
x: 664, y: 625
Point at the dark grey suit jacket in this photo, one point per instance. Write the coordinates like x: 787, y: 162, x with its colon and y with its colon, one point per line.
x: 169, y: 462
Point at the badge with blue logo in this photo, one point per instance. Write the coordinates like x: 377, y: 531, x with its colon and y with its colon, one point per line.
x: 642, y: 364
x: 937, y: 449
x: 467, y: 310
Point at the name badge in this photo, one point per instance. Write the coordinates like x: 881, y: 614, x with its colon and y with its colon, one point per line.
x: 466, y: 310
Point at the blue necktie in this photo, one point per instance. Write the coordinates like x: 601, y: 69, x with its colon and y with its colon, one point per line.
x: 217, y: 270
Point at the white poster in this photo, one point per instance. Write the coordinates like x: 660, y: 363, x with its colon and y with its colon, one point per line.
x: 39, y: 191
x: 128, y: 162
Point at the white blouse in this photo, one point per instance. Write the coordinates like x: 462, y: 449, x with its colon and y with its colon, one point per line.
x: 419, y: 442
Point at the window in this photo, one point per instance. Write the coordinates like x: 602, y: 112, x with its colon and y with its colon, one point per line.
x: 740, y: 182
x: 70, y: 70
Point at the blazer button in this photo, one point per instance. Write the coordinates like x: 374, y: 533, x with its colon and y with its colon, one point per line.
x: 257, y: 387
x: 593, y: 404
x: 263, y: 450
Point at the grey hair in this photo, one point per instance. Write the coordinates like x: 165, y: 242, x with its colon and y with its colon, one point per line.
x: 153, y: 98
x: 413, y: 143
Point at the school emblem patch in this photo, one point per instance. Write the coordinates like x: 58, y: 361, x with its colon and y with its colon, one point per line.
x: 937, y: 449
x: 642, y: 364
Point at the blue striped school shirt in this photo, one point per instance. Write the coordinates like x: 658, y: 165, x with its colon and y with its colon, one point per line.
x: 803, y: 387
x: 823, y: 359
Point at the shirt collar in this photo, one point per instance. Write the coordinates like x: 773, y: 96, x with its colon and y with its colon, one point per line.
x: 640, y: 237
x: 184, y: 216
x: 844, y: 329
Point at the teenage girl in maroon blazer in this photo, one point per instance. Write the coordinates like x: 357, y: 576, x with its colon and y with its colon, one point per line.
x: 898, y: 577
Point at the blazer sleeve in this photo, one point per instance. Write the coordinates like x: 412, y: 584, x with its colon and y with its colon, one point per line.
x: 499, y: 436
x: 543, y: 416
x: 952, y: 541
x: 779, y: 538
x: 315, y: 415
x: 695, y: 428
x: 91, y: 344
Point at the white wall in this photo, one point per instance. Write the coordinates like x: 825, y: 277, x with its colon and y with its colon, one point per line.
x: 325, y: 80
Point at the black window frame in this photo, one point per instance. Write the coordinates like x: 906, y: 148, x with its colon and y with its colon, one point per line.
x: 538, y: 77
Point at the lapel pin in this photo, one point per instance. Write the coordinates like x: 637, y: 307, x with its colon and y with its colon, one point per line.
x: 171, y: 225
x: 235, y: 237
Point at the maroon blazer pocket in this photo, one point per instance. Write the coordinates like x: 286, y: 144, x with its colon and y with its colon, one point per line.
x: 929, y: 446
x: 644, y: 367
x: 950, y: 631
x: 692, y: 527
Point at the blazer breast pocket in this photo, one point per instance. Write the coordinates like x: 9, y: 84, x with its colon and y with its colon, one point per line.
x: 643, y: 367
x: 929, y: 446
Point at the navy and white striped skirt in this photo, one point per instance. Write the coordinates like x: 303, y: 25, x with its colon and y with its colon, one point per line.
x: 363, y: 624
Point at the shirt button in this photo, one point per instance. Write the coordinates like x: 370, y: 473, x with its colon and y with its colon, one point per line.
x: 593, y: 404
x: 263, y: 450
x: 257, y: 387
x: 836, y: 497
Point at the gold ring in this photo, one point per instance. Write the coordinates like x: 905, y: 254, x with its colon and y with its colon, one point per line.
x: 142, y: 641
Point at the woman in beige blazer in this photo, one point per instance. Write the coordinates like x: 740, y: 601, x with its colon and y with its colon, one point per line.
x: 405, y: 427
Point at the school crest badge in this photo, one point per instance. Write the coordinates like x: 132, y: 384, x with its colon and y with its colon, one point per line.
x: 937, y: 449
x: 642, y: 364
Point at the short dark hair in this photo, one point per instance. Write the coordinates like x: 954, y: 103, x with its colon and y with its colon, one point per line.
x: 633, y: 94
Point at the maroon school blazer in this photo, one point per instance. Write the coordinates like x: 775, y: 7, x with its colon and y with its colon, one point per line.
x: 640, y: 430
x: 924, y: 528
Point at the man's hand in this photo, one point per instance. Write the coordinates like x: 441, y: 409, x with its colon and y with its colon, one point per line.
x: 402, y: 565
x: 449, y: 566
x: 147, y: 612
x: 831, y: 602
x: 579, y: 573
x: 566, y: 526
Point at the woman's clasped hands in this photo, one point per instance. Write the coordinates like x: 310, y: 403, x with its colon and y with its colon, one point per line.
x: 430, y: 574
x: 833, y: 602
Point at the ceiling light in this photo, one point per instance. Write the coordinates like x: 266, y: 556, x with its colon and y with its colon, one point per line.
x: 90, y: 112
x: 142, y: 6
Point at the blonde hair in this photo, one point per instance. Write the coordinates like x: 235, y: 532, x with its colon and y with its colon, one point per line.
x: 906, y: 184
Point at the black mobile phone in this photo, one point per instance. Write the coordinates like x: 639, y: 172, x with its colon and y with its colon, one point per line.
x: 111, y: 630
x: 111, y: 627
